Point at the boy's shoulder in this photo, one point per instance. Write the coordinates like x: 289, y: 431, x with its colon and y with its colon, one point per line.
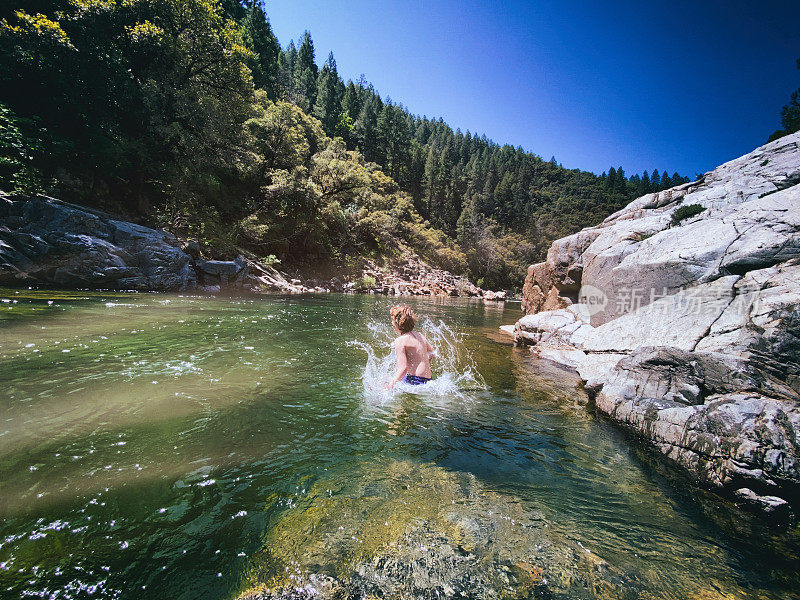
x: 403, y: 340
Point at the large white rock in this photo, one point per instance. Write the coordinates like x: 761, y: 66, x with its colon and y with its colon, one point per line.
x: 637, y: 255
x: 690, y: 335
x: 569, y: 325
x: 680, y: 320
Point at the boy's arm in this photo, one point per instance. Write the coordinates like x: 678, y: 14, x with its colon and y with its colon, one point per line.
x: 402, y: 363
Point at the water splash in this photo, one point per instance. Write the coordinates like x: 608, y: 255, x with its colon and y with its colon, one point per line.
x: 454, y: 371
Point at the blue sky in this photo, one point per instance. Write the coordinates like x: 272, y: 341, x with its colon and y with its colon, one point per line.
x: 679, y: 85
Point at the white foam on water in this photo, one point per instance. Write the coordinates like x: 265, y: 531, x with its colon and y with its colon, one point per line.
x: 454, y: 371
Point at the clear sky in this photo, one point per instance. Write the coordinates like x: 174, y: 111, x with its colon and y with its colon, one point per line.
x: 677, y: 85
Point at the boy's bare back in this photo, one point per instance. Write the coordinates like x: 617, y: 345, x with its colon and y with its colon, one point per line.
x: 412, y: 350
x: 417, y: 351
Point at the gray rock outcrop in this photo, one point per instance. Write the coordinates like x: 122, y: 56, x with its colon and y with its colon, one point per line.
x: 412, y: 276
x: 687, y: 331
x: 46, y: 241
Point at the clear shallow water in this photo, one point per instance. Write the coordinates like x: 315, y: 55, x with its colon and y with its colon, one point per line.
x: 153, y: 446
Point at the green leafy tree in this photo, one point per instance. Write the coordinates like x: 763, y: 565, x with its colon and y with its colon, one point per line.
x: 234, y: 9
x: 284, y: 137
x: 344, y: 127
x: 339, y: 173
x: 139, y: 99
x: 189, y: 112
x: 16, y: 172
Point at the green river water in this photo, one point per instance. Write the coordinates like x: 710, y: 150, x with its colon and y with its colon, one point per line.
x: 180, y: 447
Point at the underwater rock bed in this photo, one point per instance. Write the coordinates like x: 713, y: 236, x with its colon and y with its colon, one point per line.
x: 410, y: 530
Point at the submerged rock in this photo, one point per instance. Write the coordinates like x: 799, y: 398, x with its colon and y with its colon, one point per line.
x: 688, y: 332
x: 409, y: 530
x: 772, y: 505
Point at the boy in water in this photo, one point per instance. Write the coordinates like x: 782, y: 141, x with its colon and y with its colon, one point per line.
x: 413, y: 350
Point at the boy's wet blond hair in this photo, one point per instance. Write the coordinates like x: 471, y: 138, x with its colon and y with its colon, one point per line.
x: 403, y: 317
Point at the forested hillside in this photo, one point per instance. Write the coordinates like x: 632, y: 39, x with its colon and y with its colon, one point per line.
x: 190, y: 115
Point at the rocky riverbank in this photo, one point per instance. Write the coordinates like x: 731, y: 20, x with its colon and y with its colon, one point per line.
x: 682, y: 314
x: 44, y: 241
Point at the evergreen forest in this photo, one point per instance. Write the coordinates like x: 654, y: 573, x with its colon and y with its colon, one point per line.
x: 191, y: 116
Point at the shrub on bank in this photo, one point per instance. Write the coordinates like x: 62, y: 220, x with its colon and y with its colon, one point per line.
x: 685, y: 212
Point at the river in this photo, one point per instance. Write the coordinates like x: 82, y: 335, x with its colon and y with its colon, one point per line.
x: 183, y: 447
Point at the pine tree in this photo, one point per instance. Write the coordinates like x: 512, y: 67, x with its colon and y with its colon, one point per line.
x: 491, y: 179
x: 504, y: 199
x: 451, y: 209
x: 468, y: 223
x: 350, y: 109
x: 287, y: 65
x: 306, y: 54
x: 521, y: 206
x: 264, y: 65
x: 621, y: 184
x: 415, y: 175
x: 790, y: 115
x: 423, y: 131
x: 305, y: 73
x: 431, y: 181
x: 383, y: 131
x: 394, y: 139
x: 645, y: 186
x: 327, y: 105
x: 365, y: 128
x: 464, y: 151
x: 611, y: 182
